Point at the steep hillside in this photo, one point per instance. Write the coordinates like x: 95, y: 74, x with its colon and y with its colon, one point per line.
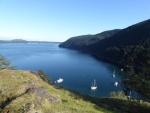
x: 113, y: 48
x: 25, y: 92
x: 130, y: 36
x: 81, y: 42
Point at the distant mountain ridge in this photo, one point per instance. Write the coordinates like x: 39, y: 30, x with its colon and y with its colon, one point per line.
x: 18, y: 40
x: 21, y: 41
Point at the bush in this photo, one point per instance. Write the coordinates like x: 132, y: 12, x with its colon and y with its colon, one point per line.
x: 119, y: 94
x: 0, y: 91
x: 5, y: 63
x: 43, y: 76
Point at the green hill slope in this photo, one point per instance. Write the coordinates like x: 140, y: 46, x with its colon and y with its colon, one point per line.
x: 25, y: 92
x: 113, y: 48
x: 81, y: 42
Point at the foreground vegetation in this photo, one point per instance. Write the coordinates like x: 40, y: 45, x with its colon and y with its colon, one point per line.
x: 30, y: 92
x: 17, y: 95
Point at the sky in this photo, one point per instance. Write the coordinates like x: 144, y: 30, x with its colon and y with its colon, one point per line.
x: 58, y: 20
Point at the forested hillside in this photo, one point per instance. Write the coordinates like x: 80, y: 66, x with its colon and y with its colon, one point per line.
x: 114, y: 47
x: 111, y: 45
x: 81, y: 42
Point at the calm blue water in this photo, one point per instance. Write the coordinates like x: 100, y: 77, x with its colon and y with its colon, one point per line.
x: 76, y: 68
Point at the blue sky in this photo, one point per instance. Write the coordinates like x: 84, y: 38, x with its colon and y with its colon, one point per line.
x: 58, y: 20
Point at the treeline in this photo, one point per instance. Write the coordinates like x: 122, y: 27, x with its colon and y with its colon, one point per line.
x: 81, y: 42
x: 119, y: 54
x: 136, y: 60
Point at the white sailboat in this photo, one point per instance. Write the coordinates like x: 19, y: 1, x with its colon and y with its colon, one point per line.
x: 116, y: 83
x: 59, y: 80
x: 129, y: 96
x: 94, y: 86
x: 114, y: 74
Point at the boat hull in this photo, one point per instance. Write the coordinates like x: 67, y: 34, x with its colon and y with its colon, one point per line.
x: 59, y: 80
x: 93, y: 88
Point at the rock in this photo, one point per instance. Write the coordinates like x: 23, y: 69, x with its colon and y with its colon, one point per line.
x: 41, y: 93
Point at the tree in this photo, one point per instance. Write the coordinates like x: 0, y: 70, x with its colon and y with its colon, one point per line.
x: 43, y: 76
x: 5, y: 63
x: 136, y: 61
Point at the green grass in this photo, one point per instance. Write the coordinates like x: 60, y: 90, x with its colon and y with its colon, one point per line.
x: 14, y: 83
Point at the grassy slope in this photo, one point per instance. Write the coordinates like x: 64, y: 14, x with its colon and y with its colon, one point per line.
x: 14, y: 83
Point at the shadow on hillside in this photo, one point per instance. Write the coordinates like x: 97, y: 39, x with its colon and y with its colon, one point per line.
x: 121, y: 106
x: 115, y: 105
